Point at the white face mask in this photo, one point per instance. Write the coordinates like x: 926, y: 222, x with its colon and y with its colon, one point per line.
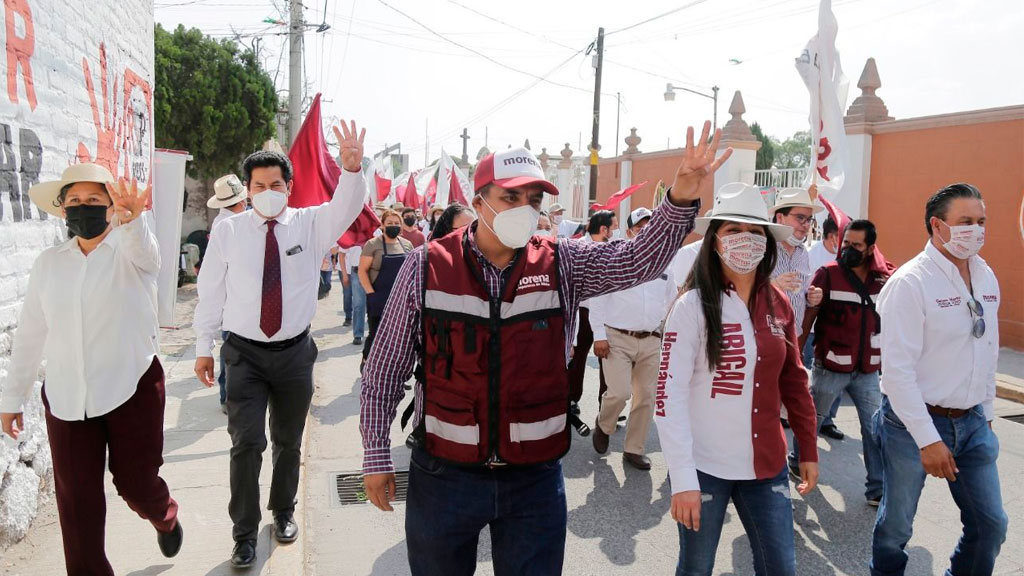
x: 964, y: 241
x: 270, y: 203
x: 513, y: 227
x: 742, y: 252
x: 794, y: 241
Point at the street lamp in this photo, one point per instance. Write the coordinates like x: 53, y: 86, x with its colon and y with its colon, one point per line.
x: 670, y: 96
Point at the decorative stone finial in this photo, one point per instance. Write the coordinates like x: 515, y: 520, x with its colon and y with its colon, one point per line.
x: 527, y: 144
x: 566, y: 153
x: 868, y: 107
x: 631, y: 143
x: 544, y: 158
x: 736, y: 128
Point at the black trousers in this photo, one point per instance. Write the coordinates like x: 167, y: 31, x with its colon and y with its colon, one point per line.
x: 373, y: 323
x: 258, y: 378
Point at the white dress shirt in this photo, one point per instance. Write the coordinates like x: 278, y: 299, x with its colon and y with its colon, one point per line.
x: 641, y: 308
x: 223, y: 215
x: 231, y: 279
x: 352, y: 256
x: 819, y: 256
x: 929, y: 355
x: 684, y: 261
x: 93, y: 318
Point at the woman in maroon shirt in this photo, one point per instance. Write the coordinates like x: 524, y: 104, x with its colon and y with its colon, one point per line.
x: 721, y: 387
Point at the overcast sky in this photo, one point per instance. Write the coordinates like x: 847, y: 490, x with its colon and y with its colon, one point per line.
x: 477, y: 66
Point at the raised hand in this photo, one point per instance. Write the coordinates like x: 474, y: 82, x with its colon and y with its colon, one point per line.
x: 351, y: 142
x: 699, y: 165
x: 128, y: 202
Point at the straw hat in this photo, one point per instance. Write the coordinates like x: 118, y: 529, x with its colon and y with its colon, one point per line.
x: 45, y: 194
x: 794, y: 198
x: 739, y: 202
x: 227, y: 191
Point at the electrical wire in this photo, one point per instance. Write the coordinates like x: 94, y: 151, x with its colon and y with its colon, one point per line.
x: 658, y: 17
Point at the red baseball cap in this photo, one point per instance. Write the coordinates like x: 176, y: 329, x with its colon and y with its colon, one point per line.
x: 510, y: 169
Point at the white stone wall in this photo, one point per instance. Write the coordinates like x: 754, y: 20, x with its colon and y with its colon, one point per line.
x: 80, y: 90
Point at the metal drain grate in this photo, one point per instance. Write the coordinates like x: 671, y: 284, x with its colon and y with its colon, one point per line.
x: 1019, y: 418
x: 348, y: 487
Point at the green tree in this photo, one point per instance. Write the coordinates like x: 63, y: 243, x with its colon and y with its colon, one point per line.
x: 794, y: 152
x: 211, y: 99
x: 766, y: 155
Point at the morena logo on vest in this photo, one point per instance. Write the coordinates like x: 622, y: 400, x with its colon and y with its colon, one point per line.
x: 537, y: 281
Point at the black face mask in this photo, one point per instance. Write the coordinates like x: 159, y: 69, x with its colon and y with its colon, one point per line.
x: 86, y: 221
x: 392, y: 231
x: 850, y: 257
x: 409, y: 221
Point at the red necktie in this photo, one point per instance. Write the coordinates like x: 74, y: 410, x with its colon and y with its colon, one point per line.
x: 270, y: 309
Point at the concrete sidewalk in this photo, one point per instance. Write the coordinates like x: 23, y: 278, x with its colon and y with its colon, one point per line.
x: 196, y: 453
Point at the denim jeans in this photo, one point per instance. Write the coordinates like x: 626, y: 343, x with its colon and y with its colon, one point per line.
x: 448, y: 506
x: 358, y: 303
x: 826, y: 387
x: 809, y: 363
x: 220, y: 378
x: 976, y: 492
x: 346, y: 297
x: 766, y: 512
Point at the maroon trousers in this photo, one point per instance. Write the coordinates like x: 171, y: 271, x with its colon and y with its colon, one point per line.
x: 578, y: 364
x: 133, y: 436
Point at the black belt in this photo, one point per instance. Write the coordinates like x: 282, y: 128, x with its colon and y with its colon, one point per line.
x: 635, y: 334
x: 951, y: 413
x: 276, y: 345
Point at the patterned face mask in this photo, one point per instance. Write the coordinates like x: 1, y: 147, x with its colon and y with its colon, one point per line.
x: 742, y: 252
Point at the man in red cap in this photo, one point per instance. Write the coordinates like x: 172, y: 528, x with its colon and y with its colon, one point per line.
x: 487, y: 316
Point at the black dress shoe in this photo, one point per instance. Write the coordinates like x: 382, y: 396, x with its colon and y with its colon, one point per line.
x: 346, y: 323
x: 285, y: 530
x: 638, y: 461
x: 357, y: 341
x: 581, y: 427
x: 832, y: 432
x: 170, y: 542
x: 244, y: 554
x: 600, y: 439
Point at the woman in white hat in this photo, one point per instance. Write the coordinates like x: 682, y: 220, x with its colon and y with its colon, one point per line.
x: 731, y: 348
x: 90, y: 311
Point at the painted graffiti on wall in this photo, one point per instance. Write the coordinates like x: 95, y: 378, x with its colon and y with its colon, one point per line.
x: 124, y: 139
x: 124, y: 129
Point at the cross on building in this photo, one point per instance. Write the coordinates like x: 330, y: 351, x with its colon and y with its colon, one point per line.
x: 465, y: 143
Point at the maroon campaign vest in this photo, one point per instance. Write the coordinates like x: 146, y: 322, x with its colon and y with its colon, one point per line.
x: 495, y: 382
x: 846, y: 330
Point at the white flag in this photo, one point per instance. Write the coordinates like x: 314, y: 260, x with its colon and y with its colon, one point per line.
x: 820, y: 68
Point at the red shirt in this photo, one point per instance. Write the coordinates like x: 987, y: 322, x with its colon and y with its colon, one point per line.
x: 415, y: 236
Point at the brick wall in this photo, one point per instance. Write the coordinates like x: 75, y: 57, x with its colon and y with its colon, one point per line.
x: 79, y: 89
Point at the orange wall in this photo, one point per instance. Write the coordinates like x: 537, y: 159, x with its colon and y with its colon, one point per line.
x: 909, y: 166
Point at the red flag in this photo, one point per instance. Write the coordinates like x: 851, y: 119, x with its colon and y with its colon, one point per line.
x: 879, y: 264
x: 412, y: 199
x: 383, y: 186
x: 456, y: 193
x: 618, y: 197
x: 316, y: 175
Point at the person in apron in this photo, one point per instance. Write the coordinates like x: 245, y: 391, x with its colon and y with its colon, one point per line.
x: 378, y: 267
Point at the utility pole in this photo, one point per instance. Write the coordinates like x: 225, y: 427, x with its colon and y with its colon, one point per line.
x: 296, y: 28
x: 618, y: 112
x: 594, y: 147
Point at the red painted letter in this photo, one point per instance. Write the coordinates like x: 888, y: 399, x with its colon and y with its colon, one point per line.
x: 19, y: 51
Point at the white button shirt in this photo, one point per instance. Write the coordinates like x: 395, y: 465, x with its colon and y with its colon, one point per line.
x: 818, y: 256
x: 685, y: 258
x: 223, y: 215
x: 641, y: 308
x: 93, y: 318
x: 231, y: 279
x: 929, y: 355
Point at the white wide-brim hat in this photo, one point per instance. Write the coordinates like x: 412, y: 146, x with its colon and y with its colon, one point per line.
x: 794, y: 198
x: 740, y: 202
x: 227, y: 191
x: 45, y: 194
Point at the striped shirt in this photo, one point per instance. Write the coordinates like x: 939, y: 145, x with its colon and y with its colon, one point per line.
x: 799, y: 261
x: 585, y: 269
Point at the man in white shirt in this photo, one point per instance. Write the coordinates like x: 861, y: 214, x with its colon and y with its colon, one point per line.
x: 354, y: 300
x: 90, y: 311
x: 940, y: 343
x: 627, y: 334
x: 260, y: 280
x: 229, y: 196
x: 820, y: 254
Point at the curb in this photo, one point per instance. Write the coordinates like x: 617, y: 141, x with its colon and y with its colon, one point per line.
x: 1009, y: 388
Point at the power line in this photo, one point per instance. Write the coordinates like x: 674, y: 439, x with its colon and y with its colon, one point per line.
x: 658, y: 17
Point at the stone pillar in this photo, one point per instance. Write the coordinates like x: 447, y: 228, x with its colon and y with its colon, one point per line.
x: 564, y: 180
x: 737, y: 135
x: 865, y: 112
x: 626, y: 176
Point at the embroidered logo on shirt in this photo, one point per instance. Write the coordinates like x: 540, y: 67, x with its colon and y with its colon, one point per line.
x: 537, y: 281
x: 990, y: 298
x: 666, y: 353
x: 948, y: 302
x: 776, y: 326
x: 728, y: 377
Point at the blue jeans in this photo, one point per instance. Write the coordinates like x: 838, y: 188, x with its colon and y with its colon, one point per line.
x: 358, y: 300
x: 220, y: 378
x: 976, y: 492
x: 448, y: 506
x: 809, y: 363
x: 346, y: 298
x: 826, y: 387
x: 766, y: 512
